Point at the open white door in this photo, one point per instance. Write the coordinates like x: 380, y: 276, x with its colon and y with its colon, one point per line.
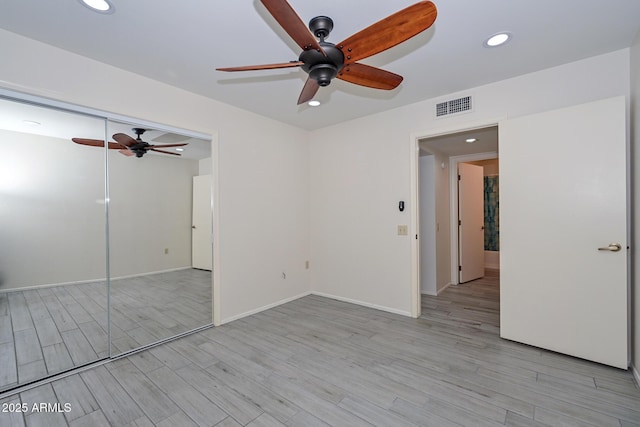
x: 471, y: 222
x: 563, y: 283
x: 201, y: 231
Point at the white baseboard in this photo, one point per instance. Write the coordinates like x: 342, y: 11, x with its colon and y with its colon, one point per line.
x: 48, y: 285
x: 130, y: 276
x: 364, y: 304
x: 492, y: 260
x: 81, y: 282
x: 320, y: 294
x: 636, y: 375
x: 444, y: 287
x: 263, y: 308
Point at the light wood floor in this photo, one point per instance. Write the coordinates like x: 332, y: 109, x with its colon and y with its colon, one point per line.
x: 51, y: 330
x: 318, y: 362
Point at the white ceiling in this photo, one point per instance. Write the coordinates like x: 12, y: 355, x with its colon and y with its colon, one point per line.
x: 455, y: 144
x: 182, y: 42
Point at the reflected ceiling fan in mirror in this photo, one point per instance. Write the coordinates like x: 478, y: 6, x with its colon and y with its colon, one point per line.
x: 129, y: 146
x: 324, y: 61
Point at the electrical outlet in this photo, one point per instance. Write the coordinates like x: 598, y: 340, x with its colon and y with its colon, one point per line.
x: 403, y: 230
x: 166, y: 251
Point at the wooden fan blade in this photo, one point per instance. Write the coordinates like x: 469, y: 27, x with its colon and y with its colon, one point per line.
x: 124, y: 140
x: 308, y: 91
x: 292, y: 24
x: 95, y: 143
x: 263, y: 67
x: 126, y: 152
x: 389, y: 32
x: 165, y: 152
x: 168, y: 145
x: 365, y: 75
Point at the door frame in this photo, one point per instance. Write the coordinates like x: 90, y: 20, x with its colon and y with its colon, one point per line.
x: 414, y: 154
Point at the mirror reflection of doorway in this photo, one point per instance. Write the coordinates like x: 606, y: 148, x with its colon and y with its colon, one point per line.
x: 201, y: 228
x: 155, y: 290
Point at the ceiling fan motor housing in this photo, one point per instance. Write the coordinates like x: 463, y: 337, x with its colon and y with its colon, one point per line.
x: 323, y: 68
x: 140, y: 149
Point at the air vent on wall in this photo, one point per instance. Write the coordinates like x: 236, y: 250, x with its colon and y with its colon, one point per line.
x: 453, y: 106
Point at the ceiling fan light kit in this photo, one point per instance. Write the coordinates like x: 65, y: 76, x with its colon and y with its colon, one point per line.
x: 324, y: 61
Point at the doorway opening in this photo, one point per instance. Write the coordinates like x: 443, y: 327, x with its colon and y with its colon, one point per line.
x: 444, y: 249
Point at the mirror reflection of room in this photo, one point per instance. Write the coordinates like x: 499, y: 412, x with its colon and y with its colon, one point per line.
x: 155, y: 292
x: 53, y: 291
x: 82, y: 243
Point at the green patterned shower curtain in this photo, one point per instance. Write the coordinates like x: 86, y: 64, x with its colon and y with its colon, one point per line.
x: 491, y: 214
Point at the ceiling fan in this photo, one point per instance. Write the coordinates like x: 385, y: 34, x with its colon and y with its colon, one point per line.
x: 324, y: 61
x: 129, y: 146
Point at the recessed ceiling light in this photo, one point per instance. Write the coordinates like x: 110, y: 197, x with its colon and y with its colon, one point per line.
x: 102, y: 6
x: 470, y: 140
x: 179, y: 149
x: 31, y: 122
x: 314, y: 103
x: 498, y: 39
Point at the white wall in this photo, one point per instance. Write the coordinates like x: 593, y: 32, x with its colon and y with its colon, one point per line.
x: 443, y: 223
x: 52, y: 211
x: 261, y: 172
x: 150, y: 210
x: 635, y: 150
x: 441, y: 233
x: 53, y: 217
x: 205, y: 166
x: 428, y: 273
x: 360, y: 169
x: 355, y: 172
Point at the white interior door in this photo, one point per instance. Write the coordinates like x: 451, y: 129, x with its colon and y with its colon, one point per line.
x: 562, y: 197
x: 201, y: 226
x: 471, y: 222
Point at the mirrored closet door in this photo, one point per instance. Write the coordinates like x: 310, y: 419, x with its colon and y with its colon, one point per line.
x: 53, y: 290
x: 103, y: 249
x: 158, y: 235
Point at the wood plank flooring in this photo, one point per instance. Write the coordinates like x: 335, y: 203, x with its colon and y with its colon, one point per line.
x: 51, y: 330
x: 319, y: 362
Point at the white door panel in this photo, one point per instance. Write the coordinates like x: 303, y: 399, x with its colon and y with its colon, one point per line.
x: 471, y: 221
x: 562, y: 196
x: 201, y: 235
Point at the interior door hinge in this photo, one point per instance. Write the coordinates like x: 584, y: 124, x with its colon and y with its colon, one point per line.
x: 459, y: 177
x: 459, y: 268
x: 459, y: 222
